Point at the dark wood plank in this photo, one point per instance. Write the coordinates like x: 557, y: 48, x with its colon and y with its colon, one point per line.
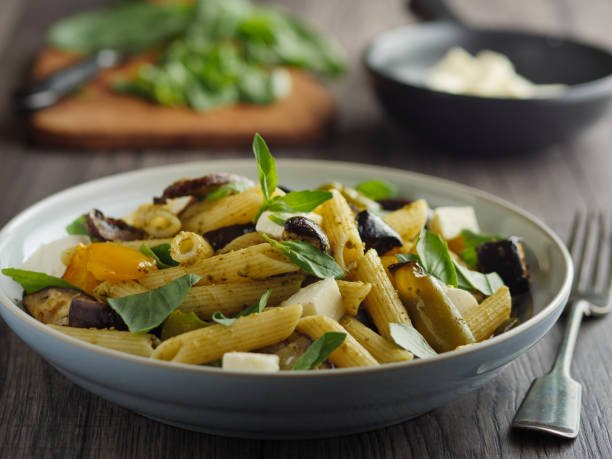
x: 44, y: 415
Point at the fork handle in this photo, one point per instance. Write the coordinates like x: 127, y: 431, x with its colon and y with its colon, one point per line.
x: 565, y: 353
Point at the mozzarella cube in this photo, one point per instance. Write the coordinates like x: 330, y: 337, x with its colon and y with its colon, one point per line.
x: 48, y: 258
x: 274, y: 230
x: 321, y: 298
x: 449, y: 221
x: 250, y: 361
x: 463, y: 300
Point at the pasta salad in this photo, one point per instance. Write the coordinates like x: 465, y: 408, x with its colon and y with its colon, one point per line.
x: 221, y: 271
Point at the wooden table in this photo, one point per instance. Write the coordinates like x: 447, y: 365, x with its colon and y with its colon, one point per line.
x: 44, y: 415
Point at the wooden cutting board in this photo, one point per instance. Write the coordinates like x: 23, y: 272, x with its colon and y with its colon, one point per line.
x: 96, y: 117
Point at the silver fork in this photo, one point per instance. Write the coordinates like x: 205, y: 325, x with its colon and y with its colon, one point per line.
x: 552, y: 403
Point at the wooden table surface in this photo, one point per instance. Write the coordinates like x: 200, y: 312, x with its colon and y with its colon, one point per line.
x: 44, y: 415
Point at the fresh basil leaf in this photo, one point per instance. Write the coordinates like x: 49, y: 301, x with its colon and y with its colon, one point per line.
x: 162, y: 251
x: 227, y: 189
x: 309, y: 258
x: 143, y: 312
x: 470, y: 256
x: 319, y: 351
x: 220, y: 318
x: 377, y: 189
x: 299, y: 201
x: 265, y: 166
x: 409, y: 338
x: 78, y: 227
x: 487, y: 284
x: 435, y: 258
x: 276, y: 218
x: 150, y: 252
x: 471, y: 241
x: 406, y: 257
x: 179, y: 322
x: 33, y: 281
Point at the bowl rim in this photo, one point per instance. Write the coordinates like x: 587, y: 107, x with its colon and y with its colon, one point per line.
x: 593, y: 89
x: 7, y: 304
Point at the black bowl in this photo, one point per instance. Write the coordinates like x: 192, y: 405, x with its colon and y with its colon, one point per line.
x: 398, y: 60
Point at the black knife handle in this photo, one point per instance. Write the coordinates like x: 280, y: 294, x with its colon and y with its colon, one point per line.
x: 47, y: 92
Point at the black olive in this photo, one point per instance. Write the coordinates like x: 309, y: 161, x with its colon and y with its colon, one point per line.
x: 219, y: 238
x: 88, y: 313
x: 506, y: 258
x: 110, y: 229
x: 304, y: 229
x: 376, y: 233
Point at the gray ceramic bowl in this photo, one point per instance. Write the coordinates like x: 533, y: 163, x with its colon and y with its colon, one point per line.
x: 289, y: 404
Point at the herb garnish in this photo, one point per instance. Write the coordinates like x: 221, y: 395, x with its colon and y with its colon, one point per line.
x: 227, y: 189
x: 161, y: 254
x: 144, y: 311
x: 377, y: 190
x: 471, y: 241
x: 220, y: 318
x: 309, y: 258
x: 319, y: 351
x: 78, y: 227
x: 295, y: 201
x: 408, y: 337
x: 33, y: 281
x: 179, y: 322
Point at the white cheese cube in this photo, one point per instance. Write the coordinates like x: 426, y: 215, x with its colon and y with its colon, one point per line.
x: 463, y: 300
x: 250, y: 361
x: 321, y: 298
x: 449, y: 221
x: 274, y: 230
x: 48, y: 258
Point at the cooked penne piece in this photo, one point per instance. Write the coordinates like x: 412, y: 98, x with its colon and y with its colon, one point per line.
x: 235, y: 209
x: 409, y: 220
x: 381, y: 348
x: 160, y: 222
x: 349, y: 354
x: 247, y: 333
x: 117, y: 289
x: 187, y: 247
x: 353, y: 293
x: 230, y: 299
x: 253, y: 263
x: 484, y: 318
x: 132, y: 343
x: 242, y: 242
x: 341, y: 229
x: 148, y: 242
x: 383, y: 303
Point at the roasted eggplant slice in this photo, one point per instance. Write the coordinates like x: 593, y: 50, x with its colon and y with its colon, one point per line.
x: 219, y: 238
x: 506, y: 258
x: 89, y: 313
x: 304, y: 229
x: 394, y: 203
x: 376, y: 233
x: 199, y: 187
x: 51, y: 305
x: 111, y: 229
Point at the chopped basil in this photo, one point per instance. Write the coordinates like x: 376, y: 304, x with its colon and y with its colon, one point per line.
x: 33, y: 281
x: 406, y: 257
x: 278, y: 219
x: 377, y: 189
x: 309, y: 258
x: 179, y: 322
x: 220, y: 318
x: 144, y: 311
x: 319, y: 351
x: 227, y: 189
x: 408, y: 337
x: 78, y: 227
x: 471, y: 241
x: 487, y: 284
x: 435, y: 258
x: 266, y: 167
x: 161, y: 255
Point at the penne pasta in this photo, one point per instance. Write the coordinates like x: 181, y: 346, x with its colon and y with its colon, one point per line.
x: 409, y: 220
x: 230, y: 299
x: 242, y: 242
x: 489, y: 314
x: 132, y: 343
x: 349, y: 354
x: 252, y: 263
x: 382, y: 349
x: 187, y: 247
x: 247, y: 333
x: 160, y: 222
x: 383, y: 303
x: 110, y: 289
x: 148, y: 242
x: 341, y: 229
x: 353, y: 294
